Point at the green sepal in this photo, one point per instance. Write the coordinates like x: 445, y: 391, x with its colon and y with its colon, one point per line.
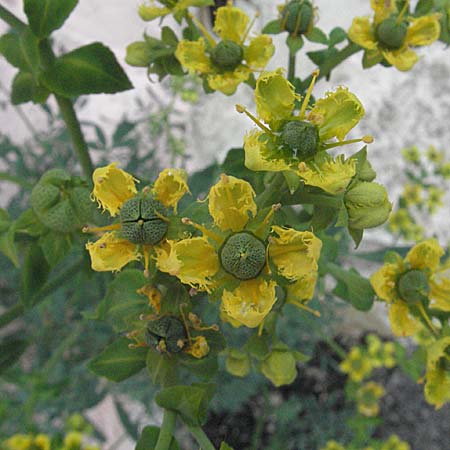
x: 191, y: 402
x: 294, y: 43
x: 357, y: 235
x: 46, y: 16
x: 292, y: 180
x: 323, y: 217
x: 317, y: 35
x: 273, y: 27
x: 117, y: 361
x: 91, y: 69
x: 149, y: 438
x: 337, y: 35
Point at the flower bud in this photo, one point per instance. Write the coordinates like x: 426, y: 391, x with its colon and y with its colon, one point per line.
x: 367, y: 205
x: 391, y: 34
x: 227, y: 55
x: 280, y: 367
x: 243, y: 255
x: 166, y: 332
x: 413, y: 286
x: 301, y: 137
x: 141, y: 220
x: 366, y: 172
x: 298, y: 16
x: 237, y: 363
x: 138, y: 54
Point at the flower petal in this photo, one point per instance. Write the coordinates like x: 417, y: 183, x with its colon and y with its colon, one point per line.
x: 170, y: 187
x: 336, y: 114
x: 440, y: 291
x: 423, y: 30
x: 250, y: 302
x: 112, y: 187
x: 194, y: 261
x: 259, y: 52
x: 294, y: 253
x: 383, y: 9
x: 228, y: 82
x: 275, y: 98
x: 192, y: 56
x: 425, y: 255
x: 231, y: 23
x: 402, y: 322
x: 402, y: 59
x: 110, y: 253
x: 361, y: 33
x: 302, y: 289
x: 383, y: 282
x: 230, y: 202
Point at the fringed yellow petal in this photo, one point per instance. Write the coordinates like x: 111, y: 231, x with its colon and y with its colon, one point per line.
x: 437, y: 387
x: 440, y: 291
x: 425, y: 255
x: 383, y: 282
x: 228, y: 82
x: 110, y: 253
x: 336, y: 114
x: 231, y: 23
x: 294, y: 253
x: 402, y: 322
x: 112, y: 188
x: 423, y: 30
x: 151, y: 12
x: 194, y: 261
x: 192, y: 56
x: 303, y: 289
x: 333, y: 176
x: 383, y: 9
x: 170, y: 187
x: 199, y: 347
x: 231, y: 203
x: 259, y: 51
x: 256, y: 151
x: 361, y: 33
x: 250, y: 302
x: 275, y: 98
x: 403, y: 59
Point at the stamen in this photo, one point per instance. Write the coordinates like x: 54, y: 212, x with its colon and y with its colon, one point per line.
x: 366, y: 139
x: 266, y: 220
x: 305, y: 308
x: 250, y: 26
x: 146, y: 261
x: 402, y: 12
x: 260, y: 328
x: 160, y: 216
x: 297, y: 24
x: 243, y: 110
x: 115, y: 226
x: 203, y: 29
x: 203, y: 229
x: 425, y: 317
x: 305, y: 103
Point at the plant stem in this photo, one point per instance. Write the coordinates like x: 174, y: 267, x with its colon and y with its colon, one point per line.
x: 167, y: 428
x: 201, y: 438
x: 314, y: 199
x: 331, y: 63
x: 17, y: 310
x: 291, y: 65
x: 11, y: 19
x: 14, y: 179
x: 273, y: 192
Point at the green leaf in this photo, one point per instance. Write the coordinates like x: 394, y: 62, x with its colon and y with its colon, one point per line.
x: 294, y: 43
x: 320, y: 56
x: 258, y: 346
x: 161, y: 368
x: 11, y: 350
x: 191, y: 402
x: 317, y: 35
x: 273, y: 27
x: 423, y: 7
x: 352, y: 287
x: 337, y: 35
x: 35, y: 271
x: 169, y: 37
x: 117, y: 362
x: 55, y: 246
x: 92, y: 69
x: 22, y: 89
x: 45, y: 16
x: 323, y: 217
x: 7, y: 235
x: 29, y: 224
x: 149, y: 438
x: 21, y: 50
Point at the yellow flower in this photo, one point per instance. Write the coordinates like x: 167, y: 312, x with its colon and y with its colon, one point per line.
x: 226, y: 64
x: 434, y: 200
x: 333, y: 445
x: 289, y: 138
x: 73, y: 441
x: 411, y: 154
x: 412, y: 194
x: 19, y: 442
x: 402, y: 223
x: 232, y: 259
x: 381, y: 354
x: 150, y: 11
x: 395, y: 443
x: 142, y: 216
x: 357, y: 366
x: 199, y: 347
x: 367, y: 397
x: 41, y: 442
x: 390, y: 35
x: 407, y: 283
x: 434, y: 155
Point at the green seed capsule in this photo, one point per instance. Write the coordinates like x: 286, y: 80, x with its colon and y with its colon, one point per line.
x: 391, y: 34
x: 301, y: 137
x: 169, y: 329
x: 243, y: 255
x: 298, y: 16
x: 141, y: 221
x: 413, y: 286
x: 227, y: 55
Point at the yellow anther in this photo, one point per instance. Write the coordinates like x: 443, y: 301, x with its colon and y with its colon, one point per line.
x: 204, y: 230
x: 368, y: 139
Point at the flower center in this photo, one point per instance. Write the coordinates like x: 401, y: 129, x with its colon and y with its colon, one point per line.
x: 227, y: 55
x: 141, y: 220
x: 413, y: 286
x: 391, y: 34
x: 297, y: 16
x: 243, y: 255
x: 301, y: 137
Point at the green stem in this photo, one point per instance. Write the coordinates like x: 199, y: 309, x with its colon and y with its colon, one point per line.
x: 167, y: 429
x: 201, y: 438
x: 291, y: 65
x: 14, y: 179
x: 331, y: 63
x: 302, y: 197
x: 11, y: 19
x: 273, y: 192
x: 17, y: 310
